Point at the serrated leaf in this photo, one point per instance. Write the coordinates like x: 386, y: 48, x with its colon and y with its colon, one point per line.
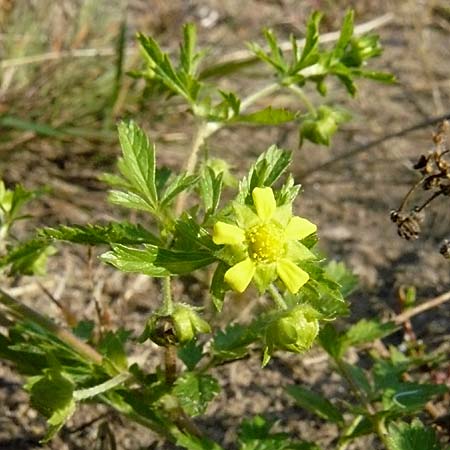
x: 344, y: 277
x: 188, y: 55
x: 264, y: 172
x: 330, y: 340
x: 219, y: 287
x: 359, y: 377
x: 409, y: 397
x: 28, y: 258
x: 309, y: 54
x: 232, y: 342
x: 52, y: 395
x: 180, y: 262
x: 131, y: 259
x: 321, y: 293
x: 232, y: 101
x: 367, y: 330
x: 190, y: 236
x: 256, y: 434
x: 138, y: 163
x: 195, y: 391
x: 345, y: 34
x: 267, y: 116
x: 315, y: 403
x: 210, y: 186
x: 414, y: 436
x: 130, y: 200
x: 111, y: 233
x: 178, y: 184
x: 112, y: 346
x: 156, y: 262
x: 197, y: 443
x: 191, y: 353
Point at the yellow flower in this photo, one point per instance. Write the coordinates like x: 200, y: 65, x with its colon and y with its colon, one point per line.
x: 269, y: 241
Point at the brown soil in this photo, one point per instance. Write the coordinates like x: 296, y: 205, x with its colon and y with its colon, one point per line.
x: 349, y: 200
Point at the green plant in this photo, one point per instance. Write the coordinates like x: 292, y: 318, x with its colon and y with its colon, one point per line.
x: 252, y: 238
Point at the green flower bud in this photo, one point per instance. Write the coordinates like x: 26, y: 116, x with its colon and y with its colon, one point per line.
x: 177, y: 328
x: 293, y: 331
x: 361, y: 49
x: 188, y: 323
x: 320, y: 127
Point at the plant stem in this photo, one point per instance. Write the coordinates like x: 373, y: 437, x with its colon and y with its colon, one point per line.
x: 83, y: 394
x: 167, y: 306
x: 170, y: 363
x: 303, y: 97
x: 277, y: 297
x: 263, y: 92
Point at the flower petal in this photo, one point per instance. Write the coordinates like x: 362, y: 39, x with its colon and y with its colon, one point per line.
x: 240, y: 275
x: 291, y: 275
x: 265, y: 203
x: 298, y: 228
x: 225, y: 233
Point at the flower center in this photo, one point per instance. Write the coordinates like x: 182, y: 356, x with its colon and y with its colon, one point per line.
x: 265, y: 242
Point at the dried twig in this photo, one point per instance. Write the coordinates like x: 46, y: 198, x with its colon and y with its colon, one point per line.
x: 243, y: 55
x: 425, y: 306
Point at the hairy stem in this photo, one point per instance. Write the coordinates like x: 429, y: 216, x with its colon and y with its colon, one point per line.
x: 303, y: 97
x: 167, y: 297
x: 277, y: 297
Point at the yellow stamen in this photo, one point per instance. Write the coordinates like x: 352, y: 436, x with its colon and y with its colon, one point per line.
x: 265, y: 242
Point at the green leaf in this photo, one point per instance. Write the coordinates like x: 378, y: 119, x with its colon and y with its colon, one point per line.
x: 274, y: 57
x: 191, y: 353
x: 330, y: 340
x: 84, y: 329
x: 264, y: 172
x: 138, y: 163
x: 181, y: 262
x: 52, y: 395
x: 29, y: 258
x: 315, y: 403
x: 219, y: 287
x: 195, y: 391
x: 190, y: 236
x: 232, y: 101
x: 267, y: 116
x: 131, y: 259
x: 130, y: 200
x: 188, y: 56
x: 309, y: 54
x: 367, y: 330
x: 197, y: 443
x: 232, y: 342
x: 323, y: 294
x: 414, y: 436
x: 344, y: 277
x: 346, y: 34
x: 156, y: 262
x: 112, y: 346
x: 359, y: 377
x: 180, y: 82
x: 111, y: 233
x: 210, y: 186
x: 256, y: 434
x: 409, y: 397
x: 178, y: 184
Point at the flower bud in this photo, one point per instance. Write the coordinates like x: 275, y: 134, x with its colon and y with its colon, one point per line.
x: 361, y: 49
x: 293, y: 331
x: 188, y: 323
x: 320, y: 127
x: 177, y: 328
